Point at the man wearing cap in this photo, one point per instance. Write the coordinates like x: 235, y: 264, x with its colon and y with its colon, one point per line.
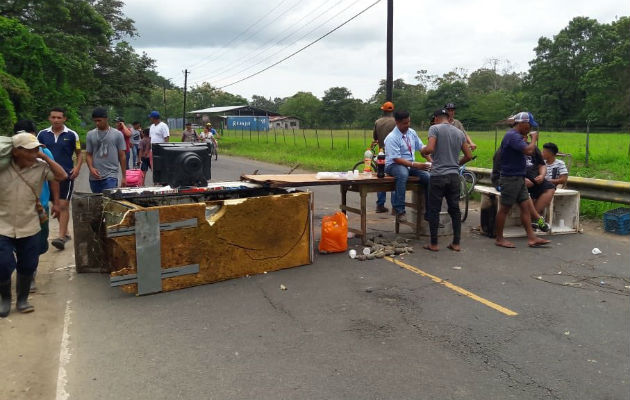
x: 63, y: 143
x: 158, y: 130
x: 450, y: 107
x: 105, y: 149
x: 20, y: 209
x: 120, y: 125
x: 400, y: 148
x: 445, y: 144
x: 382, y: 127
x: 514, y: 147
x: 49, y: 193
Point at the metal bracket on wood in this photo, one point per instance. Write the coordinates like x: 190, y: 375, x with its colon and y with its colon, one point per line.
x: 166, y: 273
x: 148, y: 252
x: 167, y: 226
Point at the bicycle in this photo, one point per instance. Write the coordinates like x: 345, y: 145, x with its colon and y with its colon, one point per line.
x: 360, y: 165
x: 467, y: 182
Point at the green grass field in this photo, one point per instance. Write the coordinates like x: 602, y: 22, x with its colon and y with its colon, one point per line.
x: 322, y: 151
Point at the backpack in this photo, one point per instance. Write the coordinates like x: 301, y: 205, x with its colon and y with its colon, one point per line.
x: 6, y: 145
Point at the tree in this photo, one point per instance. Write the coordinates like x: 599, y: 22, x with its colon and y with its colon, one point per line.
x: 607, y: 84
x: 338, y: 107
x: 575, y: 65
x: 264, y: 103
x: 303, y: 105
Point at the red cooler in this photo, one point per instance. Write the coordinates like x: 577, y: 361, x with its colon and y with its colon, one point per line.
x: 135, y: 178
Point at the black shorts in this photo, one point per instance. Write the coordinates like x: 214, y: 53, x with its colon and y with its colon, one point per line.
x: 146, y: 164
x: 513, y: 190
x: 536, y: 190
x: 66, y: 188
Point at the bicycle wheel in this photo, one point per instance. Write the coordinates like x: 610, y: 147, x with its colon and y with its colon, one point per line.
x: 463, y: 197
x: 470, y: 180
x: 360, y: 165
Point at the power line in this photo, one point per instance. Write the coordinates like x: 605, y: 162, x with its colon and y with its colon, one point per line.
x: 294, y: 42
x: 221, y: 70
x: 289, y: 45
x: 303, y: 48
x: 206, y: 59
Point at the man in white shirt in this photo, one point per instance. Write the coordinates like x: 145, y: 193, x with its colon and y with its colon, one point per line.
x: 159, y: 130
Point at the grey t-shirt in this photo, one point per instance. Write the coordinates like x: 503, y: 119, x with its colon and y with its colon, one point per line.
x: 104, y: 147
x: 449, y: 141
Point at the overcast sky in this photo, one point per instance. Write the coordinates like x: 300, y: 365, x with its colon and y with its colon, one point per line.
x: 223, y: 41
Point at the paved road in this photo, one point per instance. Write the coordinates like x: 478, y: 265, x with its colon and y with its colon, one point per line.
x: 345, y: 329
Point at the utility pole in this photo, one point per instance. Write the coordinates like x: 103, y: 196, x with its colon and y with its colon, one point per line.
x: 185, y: 87
x: 164, y: 98
x: 389, y: 86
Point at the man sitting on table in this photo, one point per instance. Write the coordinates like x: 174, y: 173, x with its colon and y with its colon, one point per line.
x: 400, y: 147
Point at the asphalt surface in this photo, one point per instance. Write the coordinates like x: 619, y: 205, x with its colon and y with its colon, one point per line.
x: 346, y: 329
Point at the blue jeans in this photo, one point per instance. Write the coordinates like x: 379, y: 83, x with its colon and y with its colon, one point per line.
x: 107, y: 183
x: 134, y: 153
x: 26, y: 251
x: 381, y: 198
x: 401, y: 173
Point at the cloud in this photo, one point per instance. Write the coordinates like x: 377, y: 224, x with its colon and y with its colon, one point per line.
x: 210, y: 38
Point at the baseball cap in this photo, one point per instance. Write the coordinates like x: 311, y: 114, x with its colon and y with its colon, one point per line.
x: 525, y: 116
x: 154, y: 114
x: 119, y: 119
x: 440, y: 112
x: 387, y: 106
x: 449, y: 105
x: 25, y: 140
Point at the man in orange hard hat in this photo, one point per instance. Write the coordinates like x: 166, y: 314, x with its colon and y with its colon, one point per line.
x: 382, y: 127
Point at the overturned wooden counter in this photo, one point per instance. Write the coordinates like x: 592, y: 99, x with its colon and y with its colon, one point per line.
x: 162, y: 243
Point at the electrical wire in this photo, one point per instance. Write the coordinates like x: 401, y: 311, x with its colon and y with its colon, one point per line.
x: 272, y: 55
x: 209, y: 57
x: 303, y: 48
x: 288, y: 46
x: 221, y: 70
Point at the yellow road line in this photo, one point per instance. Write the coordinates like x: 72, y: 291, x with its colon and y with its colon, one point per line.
x: 456, y: 288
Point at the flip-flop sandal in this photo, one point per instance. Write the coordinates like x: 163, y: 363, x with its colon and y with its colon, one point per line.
x: 426, y: 246
x: 450, y: 246
x: 511, y: 246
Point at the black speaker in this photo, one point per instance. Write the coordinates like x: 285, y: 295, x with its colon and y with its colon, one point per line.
x: 182, y: 164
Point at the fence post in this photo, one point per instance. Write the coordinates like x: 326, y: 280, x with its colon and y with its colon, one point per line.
x: 348, y: 139
x: 317, y: 138
x: 588, y: 134
x: 242, y: 134
x: 332, y: 140
x: 364, y: 142
x: 496, y: 134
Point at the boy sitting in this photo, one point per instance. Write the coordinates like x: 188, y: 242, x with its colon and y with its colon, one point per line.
x: 557, y: 172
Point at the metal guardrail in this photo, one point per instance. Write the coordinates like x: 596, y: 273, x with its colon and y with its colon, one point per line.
x: 589, y: 188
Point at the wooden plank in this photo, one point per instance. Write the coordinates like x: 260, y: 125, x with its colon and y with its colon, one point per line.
x: 297, y: 180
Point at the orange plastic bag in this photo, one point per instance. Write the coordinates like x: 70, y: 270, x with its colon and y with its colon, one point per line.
x: 334, y: 233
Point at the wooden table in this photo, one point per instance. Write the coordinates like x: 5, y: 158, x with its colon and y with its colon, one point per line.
x: 363, y: 185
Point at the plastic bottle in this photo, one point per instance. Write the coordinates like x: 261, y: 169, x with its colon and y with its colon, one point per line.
x: 380, y: 164
x: 367, y: 158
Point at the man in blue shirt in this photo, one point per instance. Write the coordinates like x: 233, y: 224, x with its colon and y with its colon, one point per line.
x: 63, y: 144
x: 513, y: 149
x: 400, y: 147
